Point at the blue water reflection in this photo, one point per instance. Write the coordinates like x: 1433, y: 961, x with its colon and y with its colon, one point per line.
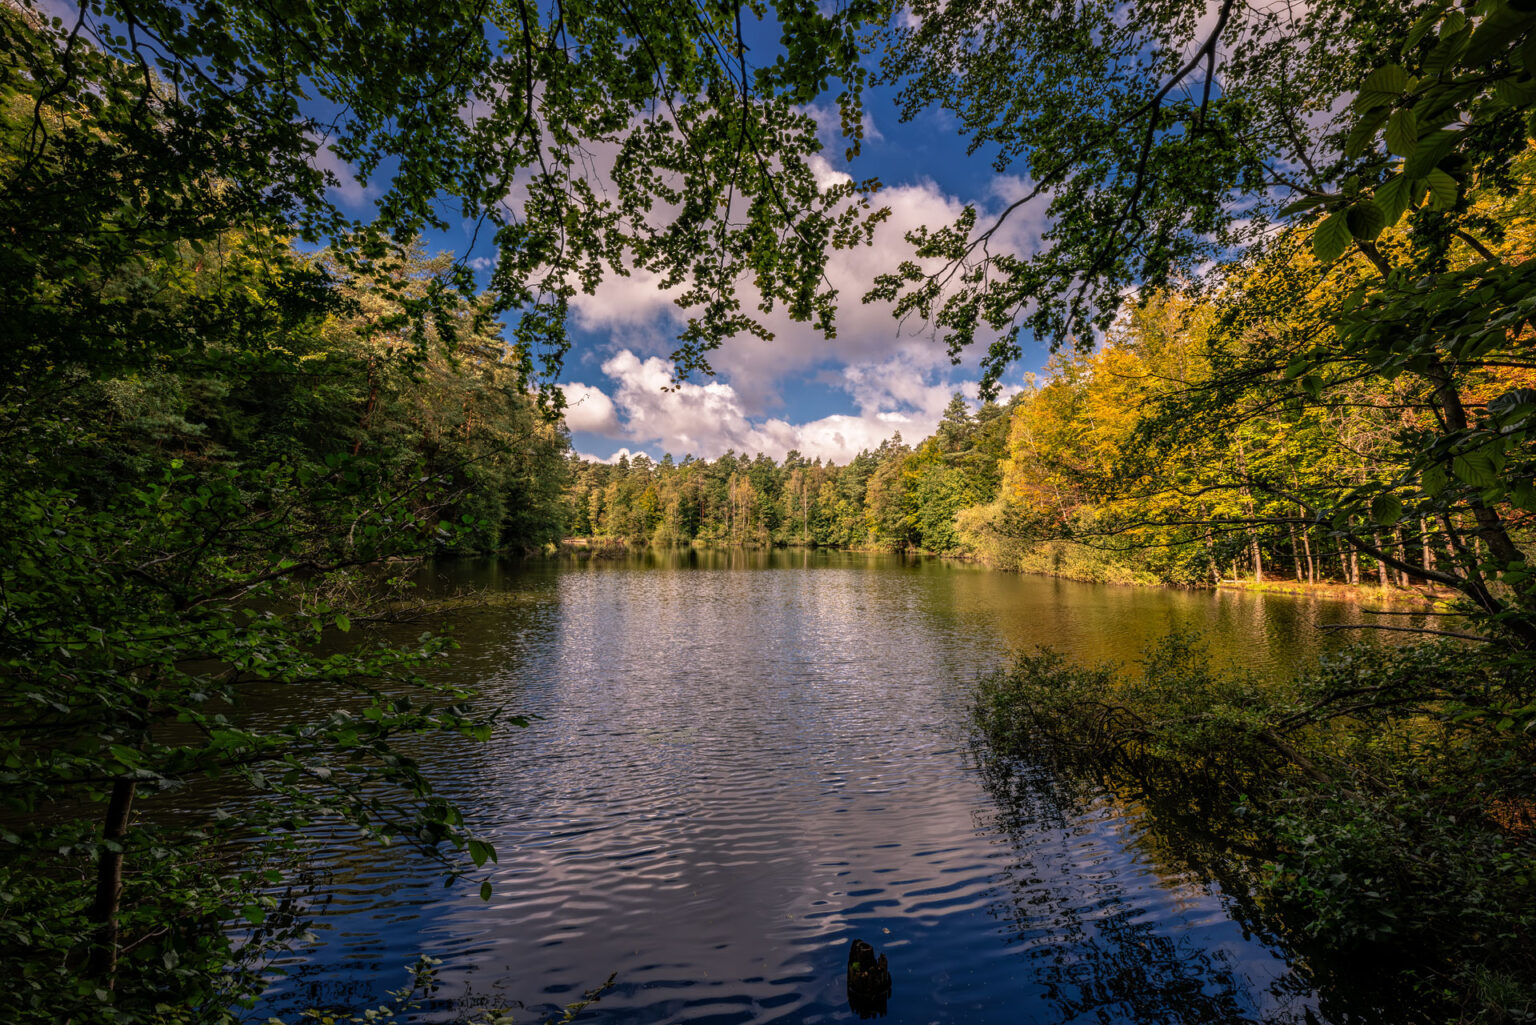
x: 743, y: 761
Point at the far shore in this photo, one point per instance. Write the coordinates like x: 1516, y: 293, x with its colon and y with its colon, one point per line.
x: 1418, y: 594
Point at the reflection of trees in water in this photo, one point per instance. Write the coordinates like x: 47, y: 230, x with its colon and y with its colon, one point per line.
x: 1104, y: 929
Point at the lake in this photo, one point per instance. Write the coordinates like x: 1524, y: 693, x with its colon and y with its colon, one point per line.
x: 743, y: 760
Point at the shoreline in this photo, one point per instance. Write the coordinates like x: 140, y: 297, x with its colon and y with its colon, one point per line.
x: 1418, y: 595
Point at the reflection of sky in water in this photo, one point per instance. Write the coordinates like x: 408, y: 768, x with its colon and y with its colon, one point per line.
x: 745, y: 760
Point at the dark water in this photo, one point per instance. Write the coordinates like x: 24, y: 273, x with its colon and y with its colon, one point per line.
x: 744, y: 760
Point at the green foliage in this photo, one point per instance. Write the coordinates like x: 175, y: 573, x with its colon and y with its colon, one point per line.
x: 449, y: 111
x: 1377, y: 806
x: 162, y: 565
x: 1354, y: 386
x: 1157, y: 138
x: 218, y: 459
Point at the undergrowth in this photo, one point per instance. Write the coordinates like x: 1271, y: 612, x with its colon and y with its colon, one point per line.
x: 1378, y: 807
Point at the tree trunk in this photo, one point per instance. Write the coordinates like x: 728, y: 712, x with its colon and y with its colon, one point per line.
x: 373, y: 400
x: 1381, y: 567
x: 1489, y: 526
x: 109, y: 883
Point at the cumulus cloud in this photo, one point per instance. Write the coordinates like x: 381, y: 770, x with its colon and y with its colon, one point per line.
x: 622, y: 453
x: 347, y: 190
x: 896, y: 377
x: 638, y: 315
x: 589, y: 409
x: 709, y: 419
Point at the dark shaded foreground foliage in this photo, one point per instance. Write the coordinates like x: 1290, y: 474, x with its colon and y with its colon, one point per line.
x: 1376, y: 812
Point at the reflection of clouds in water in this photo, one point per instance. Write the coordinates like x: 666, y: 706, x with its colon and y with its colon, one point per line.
x: 1113, y: 936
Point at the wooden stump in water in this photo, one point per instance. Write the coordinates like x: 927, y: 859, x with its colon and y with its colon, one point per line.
x: 869, y: 981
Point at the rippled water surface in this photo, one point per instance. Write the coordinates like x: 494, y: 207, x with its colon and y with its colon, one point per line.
x: 744, y: 760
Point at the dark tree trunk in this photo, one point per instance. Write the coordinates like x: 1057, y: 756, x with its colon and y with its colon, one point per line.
x: 109, y: 883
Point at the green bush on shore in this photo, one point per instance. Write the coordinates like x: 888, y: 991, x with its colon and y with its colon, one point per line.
x: 1378, y: 806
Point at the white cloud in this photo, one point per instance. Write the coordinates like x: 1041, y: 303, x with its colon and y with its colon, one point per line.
x: 895, y: 375
x: 708, y: 419
x: 348, y: 190
x: 622, y: 453
x: 589, y: 409
x: 829, y: 126
x: 637, y: 315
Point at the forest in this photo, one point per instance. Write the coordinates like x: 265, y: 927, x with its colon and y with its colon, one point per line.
x: 1287, y: 279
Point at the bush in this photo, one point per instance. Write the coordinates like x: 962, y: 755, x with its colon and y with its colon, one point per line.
x: 1378, y: 806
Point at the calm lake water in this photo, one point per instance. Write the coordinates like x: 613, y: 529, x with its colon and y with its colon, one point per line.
x: 744, y: 760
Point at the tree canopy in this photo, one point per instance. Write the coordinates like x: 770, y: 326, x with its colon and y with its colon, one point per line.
x: 142, y: 125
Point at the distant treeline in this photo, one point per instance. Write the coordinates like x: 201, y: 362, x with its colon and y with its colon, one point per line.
x: 896, y: 497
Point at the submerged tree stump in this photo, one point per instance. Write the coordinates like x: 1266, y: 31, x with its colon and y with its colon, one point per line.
x: 869, y: 981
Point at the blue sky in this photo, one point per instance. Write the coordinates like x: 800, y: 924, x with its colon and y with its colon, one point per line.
x: 801, y: 391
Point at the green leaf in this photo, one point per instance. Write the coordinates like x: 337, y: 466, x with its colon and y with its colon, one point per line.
x: 1392, y: 199
x: 1423, y: 25
x: 1431, y: 149
x: 1402, y: 132
x: 1365, y: 220
x: 1360, y: 137
x: 1434, y: 480
x: 343, y: 623
x: 485, y: 890
x: 1528, y: 53
x: 1475, y: 468
x: 1442, y: 189
x: 1494, y: 34
x: 1516, y: 94
x: 1514, y: 405
x: 1332, y: 237
x: 1304, y: 203
x: 1363, y: 135
x: 1382, y: 85
x: 1386, y: 509
x: 1445, y: 54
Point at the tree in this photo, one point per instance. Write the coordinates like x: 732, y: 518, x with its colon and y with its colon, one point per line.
x: 1155, y: 139
x: 1396, y: 294
x: 1192, y: 145
x: 161, y: 563
x: 175, y: 127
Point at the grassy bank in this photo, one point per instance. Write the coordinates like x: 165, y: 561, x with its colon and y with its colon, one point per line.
x: 1378, y: 809
x: 1416, y: 596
